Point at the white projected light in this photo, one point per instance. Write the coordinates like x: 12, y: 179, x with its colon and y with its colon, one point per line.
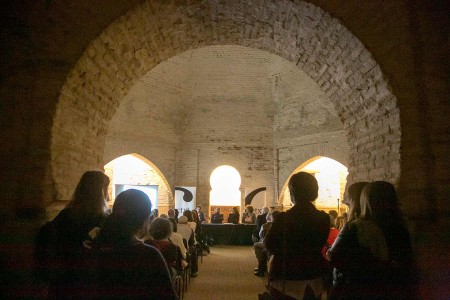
x: 225, y: 182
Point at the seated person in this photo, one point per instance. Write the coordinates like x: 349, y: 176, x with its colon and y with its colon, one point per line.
x: 297, y: 237
x: 248, y: 217
x: 188, y: 235
x: 261, y: 252
x: 217, y: 217
x: 118, y: 264
x: 234, y: 216
x: 260, y: 220
x: 158, y: 237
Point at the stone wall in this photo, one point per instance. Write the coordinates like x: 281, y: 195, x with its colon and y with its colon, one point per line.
x: 301, y: 33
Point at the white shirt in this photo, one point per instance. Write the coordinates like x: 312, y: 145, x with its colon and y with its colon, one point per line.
x: 177, y: 240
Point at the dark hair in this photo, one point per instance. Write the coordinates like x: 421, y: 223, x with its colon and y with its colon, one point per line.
x: 174, y: 224
x: 130, y: 212
x: 188, y: 214
x: 89, y: 197
x: 160, y: 228
x: 195, y: 216
x: 354, y: 195
x: 303, y: 188
x: 235, y: 210
x: 249, y: 208
x: 379, y: 202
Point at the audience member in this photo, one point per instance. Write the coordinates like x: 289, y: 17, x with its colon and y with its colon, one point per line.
x: 188, y: 214
x: 177, y: 240
x: 260, y: 220
x: 334, y: 214
x: 217, y: 217
x: 296, y: 239
x: 248, y: 217
x: 154, y: 214
x: 354, y: 195
x: 121, y: 266
x: 88, y: 209
x: 233, y: 217
x: 177, y: 214
x: 340, y: 222
x: 332, y: 236
x: 171, y: 214
x: 158, y: 237
x: 188, y: 235
x: 373, y: 252
x: 261, y: 252
x: 198, y: 226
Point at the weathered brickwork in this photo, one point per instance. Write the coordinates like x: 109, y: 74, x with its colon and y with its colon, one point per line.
x: 299, y: 32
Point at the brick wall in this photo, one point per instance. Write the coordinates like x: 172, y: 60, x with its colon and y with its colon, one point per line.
x: 301, y: 33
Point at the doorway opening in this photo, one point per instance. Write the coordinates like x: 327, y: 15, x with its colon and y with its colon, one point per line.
x: 133, y: 171
x: 225, y: 193
x: 331, y: 176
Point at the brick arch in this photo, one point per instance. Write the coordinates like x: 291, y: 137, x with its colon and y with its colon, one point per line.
x: 296, y: 168
x: 157, y: 170
x: 298, y: 32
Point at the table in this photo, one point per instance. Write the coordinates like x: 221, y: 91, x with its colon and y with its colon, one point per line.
x: 229, y: 234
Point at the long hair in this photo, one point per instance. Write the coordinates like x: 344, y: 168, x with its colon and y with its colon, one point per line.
x: 89, y: 197
x: 130, y: 212
x: 379, y: 203
x: 354, y: 194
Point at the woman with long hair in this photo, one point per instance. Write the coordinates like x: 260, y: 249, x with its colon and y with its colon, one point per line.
x: 373, y: 252
x: 354, y: 194
x: 87, y: 209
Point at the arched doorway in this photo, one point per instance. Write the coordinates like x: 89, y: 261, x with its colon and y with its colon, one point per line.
x: 331, y: 176
x: 135, y: 171
x: 225, y: 183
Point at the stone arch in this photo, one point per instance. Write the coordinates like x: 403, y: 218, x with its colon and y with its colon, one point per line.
x: 297, y: 31
x: 170, y: 195
x: 297, y: 168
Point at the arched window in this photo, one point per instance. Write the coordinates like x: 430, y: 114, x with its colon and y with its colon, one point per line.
x: 331, y: 177
x: 225, y: 182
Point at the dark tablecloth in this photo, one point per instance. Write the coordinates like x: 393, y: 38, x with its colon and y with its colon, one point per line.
x: 229, y: 234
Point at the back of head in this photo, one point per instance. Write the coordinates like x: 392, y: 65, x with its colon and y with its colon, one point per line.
x: 303, y: 188
x: 379, y: 202
x: 188, y: 214
x: 160, y: 228
x: 90, y: 194
x: 249, y: 208
x: 333, y: 213
x: 332, y: 222
x: 275, y: 214
x: 182, y: 220
x: 265, y: 210
x: 130, y: 211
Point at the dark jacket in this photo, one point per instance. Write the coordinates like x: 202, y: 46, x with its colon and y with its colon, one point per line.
x: 296, y: 239
x: 359, y: 274
x: 260, y: 221
x: 216, y: 218
x: 233, y: 218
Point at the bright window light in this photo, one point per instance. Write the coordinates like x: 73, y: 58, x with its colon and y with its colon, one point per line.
x: 225, y: 182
